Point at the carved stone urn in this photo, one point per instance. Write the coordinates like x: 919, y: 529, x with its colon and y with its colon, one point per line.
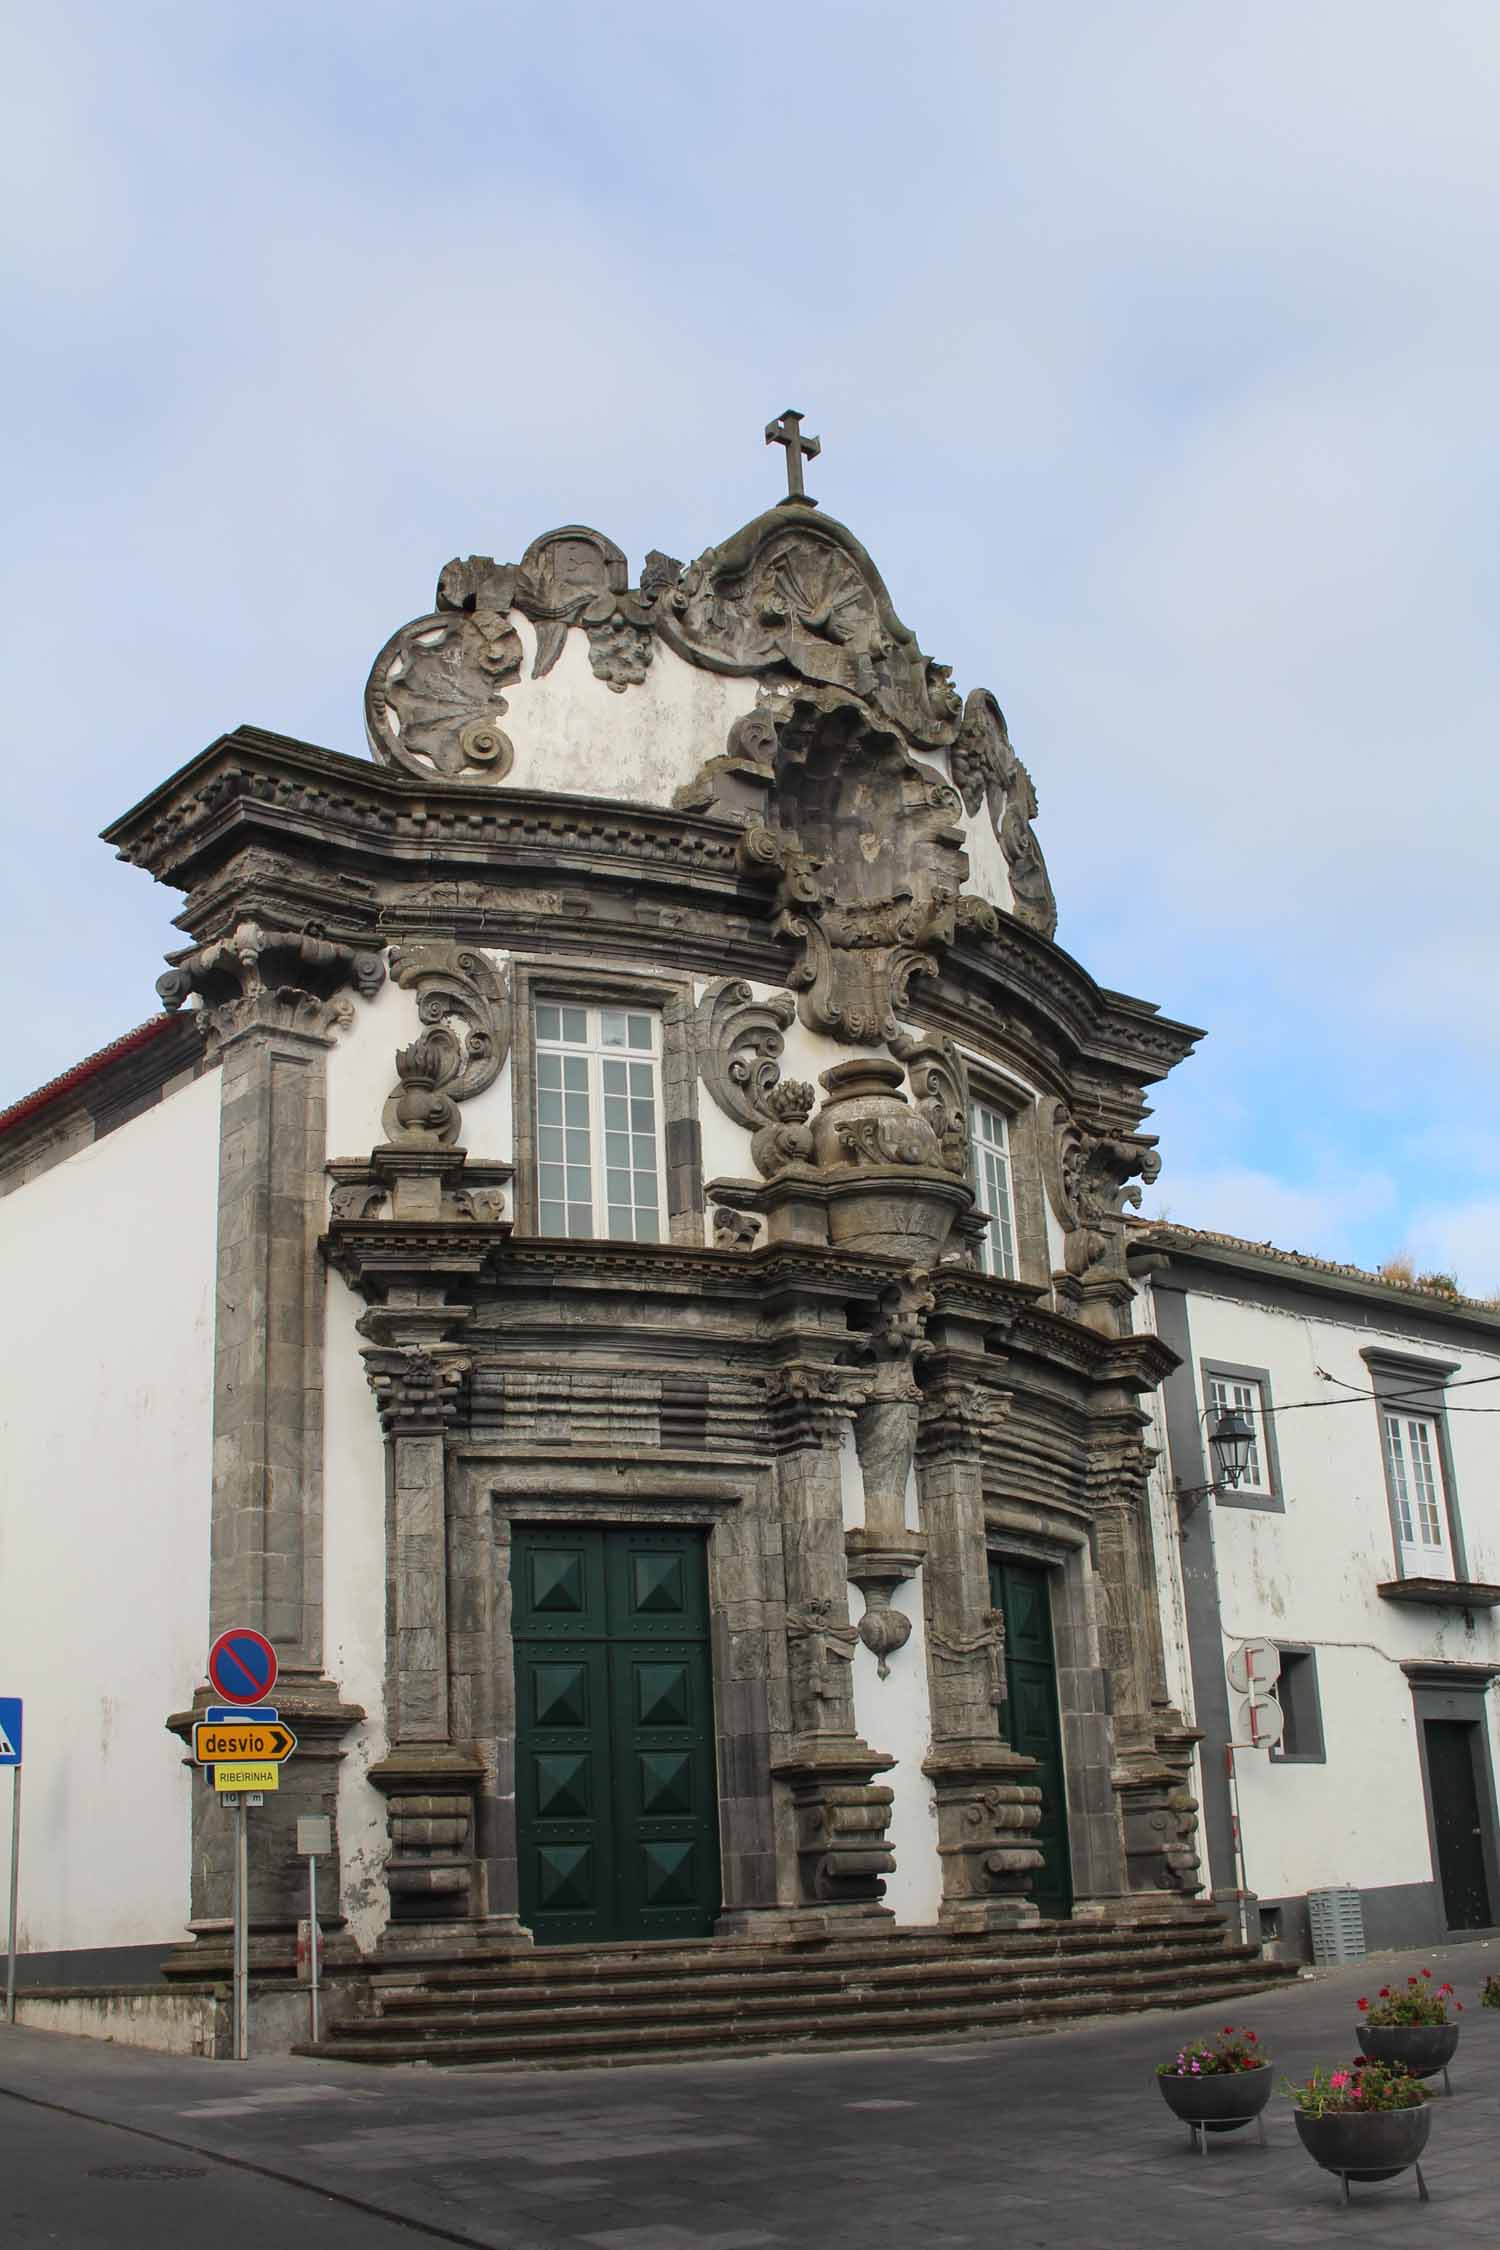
x: 881, y: 1159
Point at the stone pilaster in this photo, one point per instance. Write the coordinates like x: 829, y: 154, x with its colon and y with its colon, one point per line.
x: 273, y: 1003
x: 988, y: 1803
x: 840, y: 1812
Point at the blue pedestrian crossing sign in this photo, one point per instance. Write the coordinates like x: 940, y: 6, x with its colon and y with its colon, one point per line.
x: 10, y: 1730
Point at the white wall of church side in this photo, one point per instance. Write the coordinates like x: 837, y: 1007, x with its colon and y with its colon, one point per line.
x: 105, y: 1470
x: 1309, y: 1575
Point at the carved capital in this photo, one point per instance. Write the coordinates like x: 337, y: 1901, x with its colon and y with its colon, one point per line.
x: 811, y: 1404
x: 417, y: 1393
x: 958, y: 1416
x: 739, y: 1041
x: 271, y: 980
x: 463, y: 1005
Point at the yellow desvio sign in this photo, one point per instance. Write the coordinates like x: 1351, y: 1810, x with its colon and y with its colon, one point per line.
x: 247, y: 1776
x: 215, y: 1740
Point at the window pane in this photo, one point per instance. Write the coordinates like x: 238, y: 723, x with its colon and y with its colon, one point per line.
x: 612, y: 1027
x: 575, y: 1025
x: 548, y: 1023
x: 640, y: 1032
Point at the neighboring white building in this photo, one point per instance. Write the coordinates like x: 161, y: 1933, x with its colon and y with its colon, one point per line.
x: 1364, y: 1544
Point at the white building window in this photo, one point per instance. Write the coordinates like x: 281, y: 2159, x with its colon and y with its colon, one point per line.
x: 992, y: 1170
x: 598, y: 1122
x: 1244, y: 1396
x: 1413, y: 1462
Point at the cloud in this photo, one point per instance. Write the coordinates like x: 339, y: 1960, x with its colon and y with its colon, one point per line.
x: 1150, y: 347
x: 1462, y: 1239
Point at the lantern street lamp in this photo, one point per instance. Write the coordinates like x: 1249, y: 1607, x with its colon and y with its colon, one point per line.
x: 1230, y: 1442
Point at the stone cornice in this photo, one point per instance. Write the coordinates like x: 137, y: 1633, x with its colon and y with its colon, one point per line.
x: 261, y: 822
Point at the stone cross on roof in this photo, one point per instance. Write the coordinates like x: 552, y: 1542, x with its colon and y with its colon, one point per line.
x: 787, y: 431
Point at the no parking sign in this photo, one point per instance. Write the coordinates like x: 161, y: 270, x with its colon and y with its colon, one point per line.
x: 242, y: 1665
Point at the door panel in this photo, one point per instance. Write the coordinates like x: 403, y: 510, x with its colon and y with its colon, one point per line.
x: 616, y: 1805
x: 1458, y: 1822
x: 1022, y: 1594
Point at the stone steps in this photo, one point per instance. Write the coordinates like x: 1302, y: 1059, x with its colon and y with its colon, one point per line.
x: 576, y: 2005
x: 912, y: 1982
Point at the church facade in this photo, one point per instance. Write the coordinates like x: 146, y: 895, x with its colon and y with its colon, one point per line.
x: 614, y: 1258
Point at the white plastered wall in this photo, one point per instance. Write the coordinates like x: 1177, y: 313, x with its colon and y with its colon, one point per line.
x: 1309, y: 1575
x: 105, y: 1477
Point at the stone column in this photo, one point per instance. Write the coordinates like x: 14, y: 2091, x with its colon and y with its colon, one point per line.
x: 841, y: 1813
x: 429, y: 1780
x: 272, y: 1006
x: 988, y: 1803
x: 1153, y: 1743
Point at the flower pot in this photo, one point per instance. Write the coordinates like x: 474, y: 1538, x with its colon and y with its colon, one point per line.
x: 1375, y: 2146
x: 1425, y: 2048
x: 1217, y: 2101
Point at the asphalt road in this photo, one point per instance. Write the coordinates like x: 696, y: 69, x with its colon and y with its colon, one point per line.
x: 1027, y: 2143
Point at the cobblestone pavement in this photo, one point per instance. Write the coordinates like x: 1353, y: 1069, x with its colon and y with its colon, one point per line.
x: 1022, y: 2143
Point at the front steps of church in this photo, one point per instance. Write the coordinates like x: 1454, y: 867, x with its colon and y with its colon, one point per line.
x: 592, y: 2005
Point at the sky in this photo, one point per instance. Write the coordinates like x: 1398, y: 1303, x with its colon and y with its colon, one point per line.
x: 1153, y: 352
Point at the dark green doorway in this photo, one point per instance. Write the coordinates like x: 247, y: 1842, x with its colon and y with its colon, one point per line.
x: 1453, y: 1748
x: 615, y: 1806
x: 1021, y: 1593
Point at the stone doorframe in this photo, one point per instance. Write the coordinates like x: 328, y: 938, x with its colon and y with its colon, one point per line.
x: 747, y: 1627
x: 1062, y: 1550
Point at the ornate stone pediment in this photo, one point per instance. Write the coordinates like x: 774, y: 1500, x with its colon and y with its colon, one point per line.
x: 797, y: 591
x: 866, y: 863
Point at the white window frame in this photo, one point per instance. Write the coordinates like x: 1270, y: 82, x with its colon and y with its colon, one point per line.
x: 1243, y: 1394
x: 1412, y: 1440
x: 596, y: 1059
x: 992, y: 1161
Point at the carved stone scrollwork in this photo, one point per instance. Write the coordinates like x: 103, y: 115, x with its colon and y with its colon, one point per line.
x: 987, y: 770
x: 456, y: 987
x: 739, y: 1040
x: 278, y: 980
x: 940, y: 1088
x: 1091, y: 1180
x: 434, y: 699
x: 958, y: 1416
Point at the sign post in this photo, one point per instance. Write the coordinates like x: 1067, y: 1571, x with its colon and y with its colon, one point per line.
x: 314, y: 1835
x: 10, y: 1755
x: 242, y: 1668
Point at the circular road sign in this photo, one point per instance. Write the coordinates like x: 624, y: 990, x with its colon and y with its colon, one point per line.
x: 242, y: 1665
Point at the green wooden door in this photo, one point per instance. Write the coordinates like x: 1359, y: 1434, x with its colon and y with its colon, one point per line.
x: 615, y: 1803
x: 1020, y: 1592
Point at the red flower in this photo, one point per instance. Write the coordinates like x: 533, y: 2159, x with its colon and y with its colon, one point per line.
x: 1425, y: 1972
x: 1364, y: 2003
x: 1251, y: 2039
x: 1385, y: 1992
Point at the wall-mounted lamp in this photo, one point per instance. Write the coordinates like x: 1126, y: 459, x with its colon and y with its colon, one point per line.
x: 1230, y: 1442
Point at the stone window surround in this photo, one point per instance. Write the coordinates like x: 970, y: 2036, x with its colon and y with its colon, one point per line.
x: 1311, y: 1712
x: 1270, y: 1498
x: 549, y: 976
x: 1420, y: 1386
x: 1020, y: 1106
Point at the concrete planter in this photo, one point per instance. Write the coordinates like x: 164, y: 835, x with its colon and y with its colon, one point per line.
x: 1424, y: 2048
x: 1373, y: 2147
x: 1218, y: 2101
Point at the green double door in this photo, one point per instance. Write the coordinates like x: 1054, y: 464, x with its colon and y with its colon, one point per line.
x: 1021, y: 1594
x: 615, y: 1802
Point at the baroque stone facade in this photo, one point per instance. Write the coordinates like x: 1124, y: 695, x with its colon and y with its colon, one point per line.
x: 737, y: 810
